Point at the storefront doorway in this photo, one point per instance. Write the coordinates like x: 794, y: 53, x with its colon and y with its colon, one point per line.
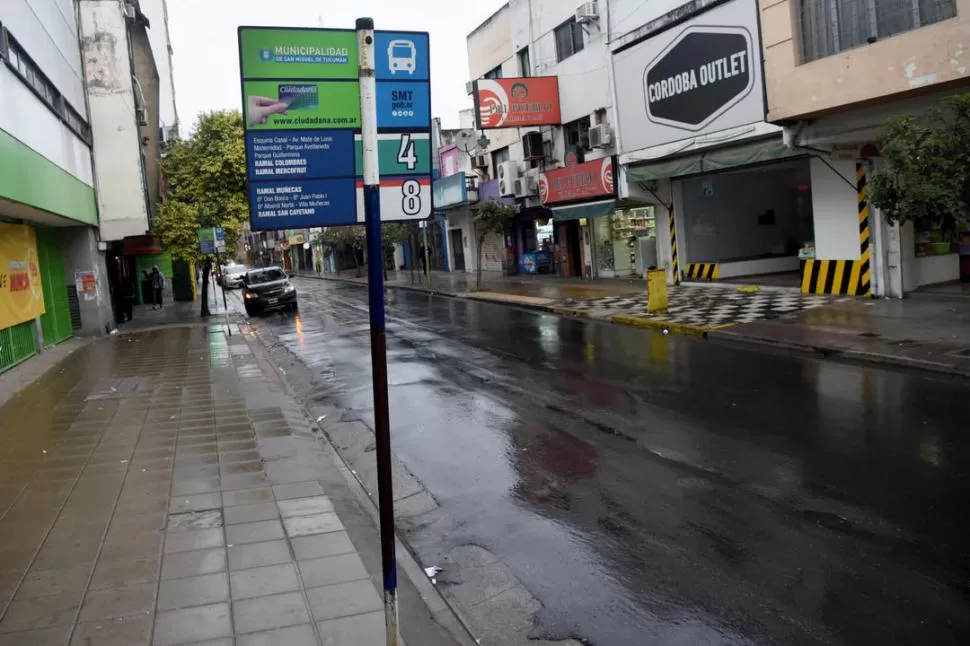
x: 625, y: 243
x: 457, y: 248
x: 747, y: 223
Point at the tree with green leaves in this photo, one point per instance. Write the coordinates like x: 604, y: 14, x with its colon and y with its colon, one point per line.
x: 206, y: 187
x: 490, y: 218
x: 354, y: 239
x: 927, y: 181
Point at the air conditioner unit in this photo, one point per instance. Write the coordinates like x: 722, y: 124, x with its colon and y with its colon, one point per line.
x: 479, y: 161
x: 470, y: 87
x: 129, y: 10
x: 600, y: 136
x: 141, y: 116
x: 526, y: 186
x: 532, y: 146
x: 587, y: 12
x: 508, y: 173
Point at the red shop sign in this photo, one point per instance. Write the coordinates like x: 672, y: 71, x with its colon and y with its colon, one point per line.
x: 578, y: 182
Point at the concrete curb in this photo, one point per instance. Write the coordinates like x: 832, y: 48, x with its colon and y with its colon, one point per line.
x: 657, y: 324
x: 874, y: 358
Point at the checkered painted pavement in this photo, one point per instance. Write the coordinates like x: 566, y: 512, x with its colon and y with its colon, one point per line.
x: 707, y: 306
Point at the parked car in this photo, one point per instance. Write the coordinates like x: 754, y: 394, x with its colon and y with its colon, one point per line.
x: 232, y: 276
x: 268, y: 289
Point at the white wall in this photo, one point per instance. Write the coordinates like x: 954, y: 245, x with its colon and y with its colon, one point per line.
x: 157, y: 13
x: 120, y: 183
x: 29, y: 120
x: 627, y: 16
x: 835, y: 210
x: 47, y: 30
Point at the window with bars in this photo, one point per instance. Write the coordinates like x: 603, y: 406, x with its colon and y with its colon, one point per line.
x: 832, y: 26
x: 23, y: 66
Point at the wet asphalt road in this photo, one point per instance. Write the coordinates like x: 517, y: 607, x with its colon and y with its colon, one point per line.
x: 664, y: 490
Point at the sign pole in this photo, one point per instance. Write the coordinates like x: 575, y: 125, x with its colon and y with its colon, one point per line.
x: 378, y: 335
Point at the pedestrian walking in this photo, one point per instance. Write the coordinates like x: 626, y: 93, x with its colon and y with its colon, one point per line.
x: 158, y: 282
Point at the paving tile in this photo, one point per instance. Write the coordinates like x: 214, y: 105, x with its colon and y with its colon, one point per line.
x: 185, y: 564
x: 251, y: 513
x: 292, y: 636
x: 242, y: 557
x: 246, y: 496
x: 317, y: 524
x: 343, y: 600
x: 298, y: 490
x: 41, y: 583
x: 193, y: 591
x: 359, y: 630
x: 191, y: 540
x: 129, y: 631
x: 189, y: 486
x: 136, y: 547
x: 40, y: 637
x: 305, y: 506
x: 262, y: 581
x: 42, y: 612
x: 197, y: 502
x: 332, y: 570
x: 192, y: 625
x: 266, y: 613
x: 262, y: 531
x: 208, y: 519
x: 322, y: 545
x: 244, y: 481
x: 118, y: 602
x: 111, y: 573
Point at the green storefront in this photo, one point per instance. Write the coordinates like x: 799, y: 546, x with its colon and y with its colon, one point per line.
x: 54, y: 212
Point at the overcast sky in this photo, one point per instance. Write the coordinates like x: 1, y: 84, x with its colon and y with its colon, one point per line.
x: 203, y: 34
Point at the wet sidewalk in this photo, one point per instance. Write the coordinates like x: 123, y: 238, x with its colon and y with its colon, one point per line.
x: 162, y: 488
x: 538, y: 290
x: 926, y: 330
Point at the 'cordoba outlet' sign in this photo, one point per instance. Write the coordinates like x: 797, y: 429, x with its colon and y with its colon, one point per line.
x: 694, y: 78
x: 701, y: 74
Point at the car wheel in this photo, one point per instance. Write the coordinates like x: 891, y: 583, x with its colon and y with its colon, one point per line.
x: 250, y: 312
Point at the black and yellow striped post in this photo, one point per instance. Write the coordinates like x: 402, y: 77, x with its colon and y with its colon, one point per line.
x: 673, y: 246
x: 865, y: 271
x: 703, y: 271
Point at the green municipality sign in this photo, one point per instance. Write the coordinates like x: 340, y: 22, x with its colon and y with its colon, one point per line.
x: 298, y: 54
x: 301, y: 100
x: 276, y: 105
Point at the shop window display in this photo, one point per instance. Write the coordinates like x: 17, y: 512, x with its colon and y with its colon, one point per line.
x: 622, y: 238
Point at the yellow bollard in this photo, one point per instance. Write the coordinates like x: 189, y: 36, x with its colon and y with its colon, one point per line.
x: 656, y: 290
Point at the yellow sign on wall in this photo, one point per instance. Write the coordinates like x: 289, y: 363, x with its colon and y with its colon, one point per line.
x: 21, y: 293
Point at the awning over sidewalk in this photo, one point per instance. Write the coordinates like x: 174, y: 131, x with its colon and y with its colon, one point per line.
x: 579, y: 211
x: 713, y: 160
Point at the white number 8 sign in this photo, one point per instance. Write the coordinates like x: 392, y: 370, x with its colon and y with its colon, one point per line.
x: 411, y: 204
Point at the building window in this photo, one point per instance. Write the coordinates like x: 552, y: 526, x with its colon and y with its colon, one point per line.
x: 832, y: 26
x: 569, y: 39
x: 525, y: 65
x: 499, y: 157
x: 494, y: 74
x: 576, y: 133
x: 23, y: 66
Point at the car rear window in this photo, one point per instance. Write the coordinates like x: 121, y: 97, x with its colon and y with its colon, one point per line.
x: 265, y: 276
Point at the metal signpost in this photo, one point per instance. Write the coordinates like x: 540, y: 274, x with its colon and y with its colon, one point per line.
x: 338, y: 132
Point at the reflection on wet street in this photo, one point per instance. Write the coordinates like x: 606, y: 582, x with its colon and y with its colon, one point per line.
x: 661, y: 490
